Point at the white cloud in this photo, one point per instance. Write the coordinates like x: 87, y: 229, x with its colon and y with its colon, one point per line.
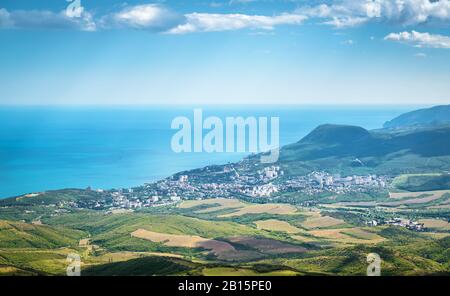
x: 154, y: 17
x: 240, y: 1
x: 343, y: 22
x: 418, y: 39
x: 348, y: 42
x: 147, y: 16
x: 348, y: 13
x: 5, y: 19
x: 43, y: 19
x: 421, y: 55
x: 209, y: 22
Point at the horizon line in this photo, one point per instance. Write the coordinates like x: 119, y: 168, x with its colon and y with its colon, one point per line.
x: 220, y: 104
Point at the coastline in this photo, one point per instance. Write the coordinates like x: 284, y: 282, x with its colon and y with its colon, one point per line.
x: 115, y: 148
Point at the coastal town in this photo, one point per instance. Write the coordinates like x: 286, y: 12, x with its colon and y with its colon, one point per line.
x: 237, y: 180
x: 267, y: 182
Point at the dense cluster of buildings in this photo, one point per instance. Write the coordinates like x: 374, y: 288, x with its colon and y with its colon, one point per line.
x: 244, y: 179
x: 231, y: 181
x: 406, y: 223
x: 319, y: 182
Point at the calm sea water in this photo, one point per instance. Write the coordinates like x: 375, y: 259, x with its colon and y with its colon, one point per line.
x: 44, y: 148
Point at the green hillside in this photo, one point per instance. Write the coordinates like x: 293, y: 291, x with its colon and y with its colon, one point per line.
x: 422, y: 182
x: 349, y: 149
x: 24, y: 235
x: 52, y: 197
x: 145, y: 266
x: 430, y: 116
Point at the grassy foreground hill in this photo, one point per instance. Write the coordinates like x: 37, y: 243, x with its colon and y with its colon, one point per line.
x: 306, y: 241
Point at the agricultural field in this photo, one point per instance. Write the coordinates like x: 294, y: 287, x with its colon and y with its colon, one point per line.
x: 228, y: 271
x: 316, y: 220
x: 218, y: 248
x: 38, y: 261
x: 220, y: 237
x: 416, y: 197
x: 266, y: 245
x: 436, y: 224
x: 212, y: 205
x: 348, y: 235
x: 276, y: 225
x: 279, y: 209
x: 430, y: 199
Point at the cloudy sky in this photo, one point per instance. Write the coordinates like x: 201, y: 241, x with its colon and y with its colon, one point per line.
x: 224, y: 51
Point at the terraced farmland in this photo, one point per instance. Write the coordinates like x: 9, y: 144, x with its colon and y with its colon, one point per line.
x: 280, y: 209
x: 276, y: 225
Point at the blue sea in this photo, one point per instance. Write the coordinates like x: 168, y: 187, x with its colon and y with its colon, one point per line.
x: 43, y: 148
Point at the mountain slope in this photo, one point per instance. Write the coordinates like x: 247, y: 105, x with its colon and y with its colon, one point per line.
x: 335, y: 140
x: 336, y: 147
x: 431, y: 116
x: 331, y: 134
x: 145, y: 266
x: 24, y: 235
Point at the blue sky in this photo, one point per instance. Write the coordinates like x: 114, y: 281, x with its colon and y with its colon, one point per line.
x: 225, y: 52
